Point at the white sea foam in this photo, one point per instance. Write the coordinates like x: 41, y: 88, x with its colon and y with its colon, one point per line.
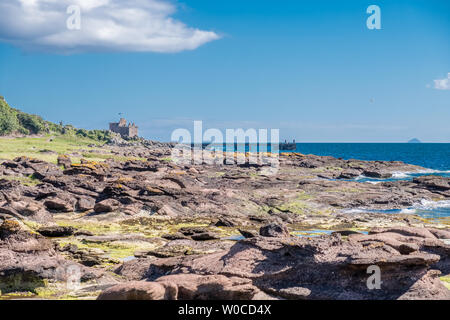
x: 427, y: 170
x: 401, y: 175
x: 354, y: 211
x: 408, y: 211
x: 430, y: 205
x: 407, y: 174
x: 425, y: 208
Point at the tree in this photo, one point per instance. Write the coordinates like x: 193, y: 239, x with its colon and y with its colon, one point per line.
x: 8, y: 119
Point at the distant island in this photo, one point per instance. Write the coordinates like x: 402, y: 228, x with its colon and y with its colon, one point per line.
x: 414, y: 140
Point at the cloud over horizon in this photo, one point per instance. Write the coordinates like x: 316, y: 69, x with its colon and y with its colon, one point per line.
x: 442, y: 84
x: 106, y: 25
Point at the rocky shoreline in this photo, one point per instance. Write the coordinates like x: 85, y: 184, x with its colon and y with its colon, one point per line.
x: 154, y: 229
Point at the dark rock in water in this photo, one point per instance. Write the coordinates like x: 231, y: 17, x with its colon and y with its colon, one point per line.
x: 274, y: 230
x: 349, y: 174
x: 56, y: 231
x: 377, y: 174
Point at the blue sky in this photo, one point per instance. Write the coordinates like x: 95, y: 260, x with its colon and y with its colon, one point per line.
x: 309, y: 68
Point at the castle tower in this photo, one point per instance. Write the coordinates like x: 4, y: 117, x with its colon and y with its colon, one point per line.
x: 129, y: 130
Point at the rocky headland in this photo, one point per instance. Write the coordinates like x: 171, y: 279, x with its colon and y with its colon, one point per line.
x: 137, y: 225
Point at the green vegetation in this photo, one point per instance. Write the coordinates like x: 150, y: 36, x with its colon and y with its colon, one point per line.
x: 446, y: 281
x: 20, y: 282
x: 46, y: 148
x: 147, y: 227
x: 30, y: 135
x: 26, y: 181
x: 8, y: 118
x: 94, y: 156
x: 298, y: 205
x: 13, y: 121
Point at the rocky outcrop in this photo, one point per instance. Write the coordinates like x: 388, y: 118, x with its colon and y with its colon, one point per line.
x: 27, y: 260
x: 160, y: 186
x: 433, y: 183
x: 327, y: 267
x: 56, y: 231
x: 274, y: 230
x: 107, y: 205
x: 186, y: 287
x: 64, y: 161
x: 183, y: 221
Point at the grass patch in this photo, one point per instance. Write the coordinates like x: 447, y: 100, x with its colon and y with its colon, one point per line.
x: 115, y: 250
x: 26, y: 181
x: 446, y: 281
x: 297, y: 205
x: 38, y: 147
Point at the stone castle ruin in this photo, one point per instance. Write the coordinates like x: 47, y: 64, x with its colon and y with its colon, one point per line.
x: 121, y: 127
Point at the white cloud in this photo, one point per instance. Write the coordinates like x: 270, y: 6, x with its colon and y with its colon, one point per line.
x: 106, y: 25
x: 442, y: 84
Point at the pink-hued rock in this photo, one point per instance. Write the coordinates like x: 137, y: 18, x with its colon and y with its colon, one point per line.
x: 326, y: 267
x: 185, y: 287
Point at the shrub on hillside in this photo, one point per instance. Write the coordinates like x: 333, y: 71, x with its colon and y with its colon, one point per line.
x: 8, y: 119
x: 99, y: 135
x: 12, y: 120
x: 31, y: 122
x: 53, y: 127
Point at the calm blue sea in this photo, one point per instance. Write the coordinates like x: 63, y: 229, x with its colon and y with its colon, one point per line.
x: 434, y: 156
